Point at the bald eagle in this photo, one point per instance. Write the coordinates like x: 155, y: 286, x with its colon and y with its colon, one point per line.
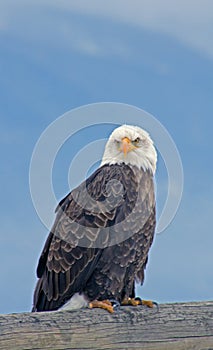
x: 98, y: 246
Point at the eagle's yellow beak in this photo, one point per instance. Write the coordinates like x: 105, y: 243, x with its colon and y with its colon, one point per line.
x: 126, y: 145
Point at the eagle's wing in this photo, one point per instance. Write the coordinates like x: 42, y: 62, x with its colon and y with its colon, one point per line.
x: 69, y: 256
x: 123, y: 263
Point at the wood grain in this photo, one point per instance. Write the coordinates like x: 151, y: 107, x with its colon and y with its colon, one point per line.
x: 178, y: 326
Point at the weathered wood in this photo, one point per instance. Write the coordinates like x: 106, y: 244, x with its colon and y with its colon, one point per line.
x: 178, y: 326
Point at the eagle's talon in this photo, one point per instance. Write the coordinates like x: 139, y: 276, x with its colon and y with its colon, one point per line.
x: 148, y: 303
x: 138, y: 301
x: 156, y: 305
x: 104, y: 304
x: 115, y: 304
x: 131, y: 301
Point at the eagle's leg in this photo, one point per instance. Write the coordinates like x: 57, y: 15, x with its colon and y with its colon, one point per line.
x: 104, y: 304
x: 138, y: 301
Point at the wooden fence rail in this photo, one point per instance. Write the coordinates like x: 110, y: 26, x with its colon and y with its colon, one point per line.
x: 178, y: 326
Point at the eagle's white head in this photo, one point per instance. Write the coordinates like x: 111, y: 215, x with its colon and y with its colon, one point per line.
x: 130, y: 145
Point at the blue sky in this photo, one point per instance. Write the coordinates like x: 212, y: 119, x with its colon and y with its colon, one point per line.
x: 156, y: 55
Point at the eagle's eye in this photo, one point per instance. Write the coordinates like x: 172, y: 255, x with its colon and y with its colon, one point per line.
x: 136, y: 141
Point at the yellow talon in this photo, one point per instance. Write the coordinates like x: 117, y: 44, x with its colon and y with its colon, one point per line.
x: 104, y: 304
x: 148, y: 303
x: 130, y: 301
x: 138, y: 301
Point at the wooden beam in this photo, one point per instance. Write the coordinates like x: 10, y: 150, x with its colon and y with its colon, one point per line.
x: 178, y: 326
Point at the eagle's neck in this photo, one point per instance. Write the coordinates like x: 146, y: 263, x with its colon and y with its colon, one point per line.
x: 131, y: 159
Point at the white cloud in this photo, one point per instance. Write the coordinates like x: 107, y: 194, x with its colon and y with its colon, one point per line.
x: 54, y: 29
x: 190, y: 22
